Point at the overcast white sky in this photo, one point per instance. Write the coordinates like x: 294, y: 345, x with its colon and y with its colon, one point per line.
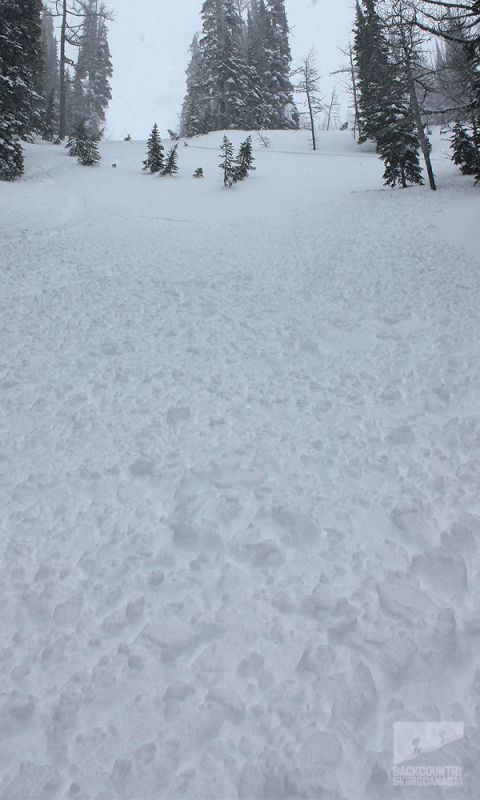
x: 150, y: 40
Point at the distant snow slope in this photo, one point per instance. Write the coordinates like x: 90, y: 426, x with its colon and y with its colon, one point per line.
x: 239, y: 473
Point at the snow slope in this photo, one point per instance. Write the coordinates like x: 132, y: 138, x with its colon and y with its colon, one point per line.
x: 239, y: 474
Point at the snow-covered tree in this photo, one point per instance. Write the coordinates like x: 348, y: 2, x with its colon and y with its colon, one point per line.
x: 87, y: 150
x: 171, y: 162
x: 154, y: 161
x: 244, y: 161
x: 50, y: 77
x: 399, y: 147
x: 386, y: 96
x: 76, y: 137
x: 227, y: 163
x: 20, y: 71
x: 225, y: 84
x: 239, y: 71
x: 411, y: 73
x: 455, y: 77
x: 93, y: 70
x: 48, y: 122
x: 193, y: 110
x: 373, y: 69
x: 464, y: 153
x: 278, y: 87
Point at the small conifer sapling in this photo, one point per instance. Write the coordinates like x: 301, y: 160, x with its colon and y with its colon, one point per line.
x: 171, y: 165
x: 154, y: 161
x: 88, y: 153
x: 245, y: 160
x: 464, y: 152
x: 79, y: 134
x: 227, y: 164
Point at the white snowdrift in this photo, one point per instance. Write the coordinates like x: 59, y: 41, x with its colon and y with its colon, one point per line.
x: 240, y: 474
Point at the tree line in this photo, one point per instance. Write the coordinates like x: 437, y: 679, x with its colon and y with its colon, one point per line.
x: 239, y: 71
x: 43, y: 90
x: 396, y: 88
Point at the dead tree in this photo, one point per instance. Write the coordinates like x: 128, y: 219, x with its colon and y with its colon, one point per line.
x: 308, y: 84
x: 331, y: 110
x: 349, y: 82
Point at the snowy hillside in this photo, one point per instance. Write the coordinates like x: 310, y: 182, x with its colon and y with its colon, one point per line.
x: 239, y: 474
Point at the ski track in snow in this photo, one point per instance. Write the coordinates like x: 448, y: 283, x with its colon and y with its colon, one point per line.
x: 240, y: 476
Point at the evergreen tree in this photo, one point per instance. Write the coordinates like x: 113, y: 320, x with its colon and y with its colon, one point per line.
x: 457, y: 77
x: 193, y: 110
x: 399, y: 148
x: 154, y: 161
x: 225, y: 83
x: 49, y: 118
x: 50, y: 77
x: 373, y: 69
x: 88, y: 154
x: 20, y: 68
x: 70, y: 117
x: 244, y: 160
x: 239, y: 71
x: 93, y: 71
x: 464, y: 152
x: 278, y: 87
x: 171, y: 165
x: 384, y: 104
x: 76, y: 138
x: 198, y: 172
x: 227, y: 164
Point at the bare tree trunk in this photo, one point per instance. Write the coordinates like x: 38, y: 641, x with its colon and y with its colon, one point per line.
x: 421, y: 132
x: 417, y: 115
x: 356, y: 121
x: 312, y: 120
x: 330, y: 108
x: 63, y: 73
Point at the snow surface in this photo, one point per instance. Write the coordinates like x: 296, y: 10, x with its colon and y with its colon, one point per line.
x: 240, y: 475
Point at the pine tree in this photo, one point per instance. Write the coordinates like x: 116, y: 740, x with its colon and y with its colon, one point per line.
x: 49, y: 118
x: 374, y: 70
x: 278, y: 87
x: 154, y: 161
x: 464, y: 152
x: 474, y: 56
x: 258, y: 33
x: 198, y: 173
x: 225, y: 83
x: 227, y: 164
x: 244, y: 160
x: 50, y: 77
x: 455, y: 76
x: 70, y: 117
x: 193, y: 110
x: 20, y: 68
x: 75, y: 139
x: 93, y: 71
x: 399, y: 148
x: 171, y: 165
x: 89, y: 154
x: 384, y: 103
x: 87, y: 151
